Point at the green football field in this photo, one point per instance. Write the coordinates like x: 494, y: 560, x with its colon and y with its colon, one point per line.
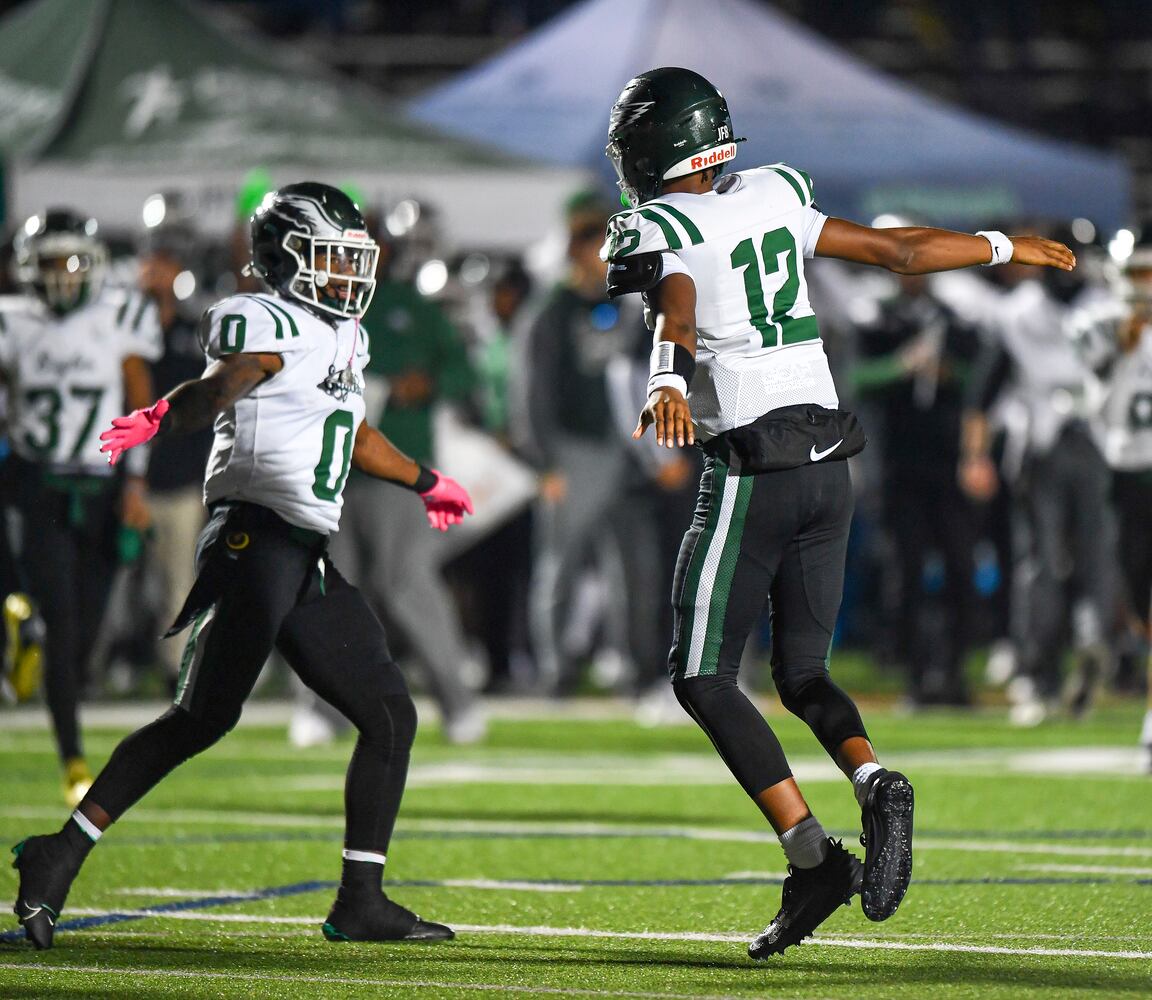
x: 578, y: 855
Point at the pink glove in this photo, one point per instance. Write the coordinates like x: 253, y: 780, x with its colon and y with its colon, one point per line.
x: 446, y: 503
x: 136, y: 428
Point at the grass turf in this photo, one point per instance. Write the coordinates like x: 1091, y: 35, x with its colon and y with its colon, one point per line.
x: 595, y: 858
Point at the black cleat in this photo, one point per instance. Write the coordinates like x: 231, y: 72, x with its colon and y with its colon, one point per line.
x: 811, y: 896
x: 377, y: 918
x: 887, y: 821
x: 46, y: 873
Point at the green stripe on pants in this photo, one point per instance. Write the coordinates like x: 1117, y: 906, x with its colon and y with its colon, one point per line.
x: 193, y: 654
x: 725, y: 571
x: 684, y: 597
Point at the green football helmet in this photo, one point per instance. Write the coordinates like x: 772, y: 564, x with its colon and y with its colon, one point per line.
x: 667, y: 123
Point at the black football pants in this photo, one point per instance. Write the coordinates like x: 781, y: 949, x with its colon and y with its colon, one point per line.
x: 68, y: 558
x: 776, y: 540
x: 274, y: 586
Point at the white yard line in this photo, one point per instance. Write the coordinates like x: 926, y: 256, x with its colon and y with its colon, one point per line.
x: 1089, y: 869
x: 514, y: 885
x: 585, y: 932
x: 215, y: 818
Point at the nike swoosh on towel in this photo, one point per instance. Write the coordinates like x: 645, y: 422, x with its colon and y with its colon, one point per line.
x: 817, y: 455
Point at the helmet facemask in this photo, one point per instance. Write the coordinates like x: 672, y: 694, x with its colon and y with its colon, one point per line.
x: 64, y: 270
x: 334, y: 274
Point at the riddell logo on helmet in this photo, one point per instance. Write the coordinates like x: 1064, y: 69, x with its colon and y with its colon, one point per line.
x: 711, y: 159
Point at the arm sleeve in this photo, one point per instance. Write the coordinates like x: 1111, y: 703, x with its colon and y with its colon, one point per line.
x: 811, y: 225
x: 673, y: 265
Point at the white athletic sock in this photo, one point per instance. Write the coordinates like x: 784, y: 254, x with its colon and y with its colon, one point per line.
x: 372, y: 857
x: 91, y: 830
x: 806, y: 844
x: 860, y: 778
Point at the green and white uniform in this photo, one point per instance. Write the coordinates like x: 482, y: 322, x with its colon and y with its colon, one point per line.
x: 743, y: 244
x: 287, y: 445
x: 65, y: 374
x: 1128, y: 410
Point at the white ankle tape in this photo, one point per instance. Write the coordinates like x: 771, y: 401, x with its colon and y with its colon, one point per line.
x: 370, y: 856
x: 91, y: 829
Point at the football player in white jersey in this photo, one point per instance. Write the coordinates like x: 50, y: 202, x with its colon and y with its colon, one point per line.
x: 738, y: 366
x: 284, y: 388
x: 73, y: 353
x: 1128, y: 448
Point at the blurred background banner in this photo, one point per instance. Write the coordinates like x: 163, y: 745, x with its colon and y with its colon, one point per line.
x: 107, y: 97
x: 872, y: 144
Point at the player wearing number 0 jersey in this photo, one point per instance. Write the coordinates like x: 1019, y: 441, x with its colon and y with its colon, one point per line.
x: 73, y: 352
x: 284, y: 390
x: 738, y: 366
x: 287, y: 444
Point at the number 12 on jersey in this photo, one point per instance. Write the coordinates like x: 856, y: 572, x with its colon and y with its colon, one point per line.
x: 777, y: 252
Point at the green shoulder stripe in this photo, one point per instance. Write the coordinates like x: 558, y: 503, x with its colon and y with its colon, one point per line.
x: 275, y: 317
x: 3, y: 323
x: 283, y: 312
x: 139, y: 314
x: 793, y: 183
x: 666, y: 227
x: 123, y: 310
x: 690, y: 227
x: 807, y: 183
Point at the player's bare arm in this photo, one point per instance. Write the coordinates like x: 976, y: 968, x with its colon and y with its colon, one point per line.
x: 193, y: 406
x: 921, y: 250
x: 673, y: 303
x: 374, y: 454
x: 445, y: 500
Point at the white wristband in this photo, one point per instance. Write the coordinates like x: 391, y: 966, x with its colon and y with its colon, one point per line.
x: 1001, y: 246
x: 670, y: 379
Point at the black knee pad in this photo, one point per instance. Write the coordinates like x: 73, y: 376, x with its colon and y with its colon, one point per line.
x: 191, y: 734
x: 389, y: 722
x: 736, y: 728
x: 829, y: 712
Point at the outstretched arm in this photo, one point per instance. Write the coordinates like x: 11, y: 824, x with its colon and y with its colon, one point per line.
x: 191, y: 405
x: 920, y: 250
x: 445, y: 500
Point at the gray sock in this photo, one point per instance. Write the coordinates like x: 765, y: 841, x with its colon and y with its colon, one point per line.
x: 806, y: 844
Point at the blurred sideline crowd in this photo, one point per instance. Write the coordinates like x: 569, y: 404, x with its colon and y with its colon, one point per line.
x: 1001, y: 504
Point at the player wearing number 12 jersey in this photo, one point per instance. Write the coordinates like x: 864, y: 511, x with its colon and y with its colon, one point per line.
x: 738, y: 366
x: 284, y: 389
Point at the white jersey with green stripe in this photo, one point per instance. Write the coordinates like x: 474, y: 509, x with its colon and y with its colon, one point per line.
x: 65, y: 374
x: 1128, y: 409
x: 743, y: 244
x: 287, y: 445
